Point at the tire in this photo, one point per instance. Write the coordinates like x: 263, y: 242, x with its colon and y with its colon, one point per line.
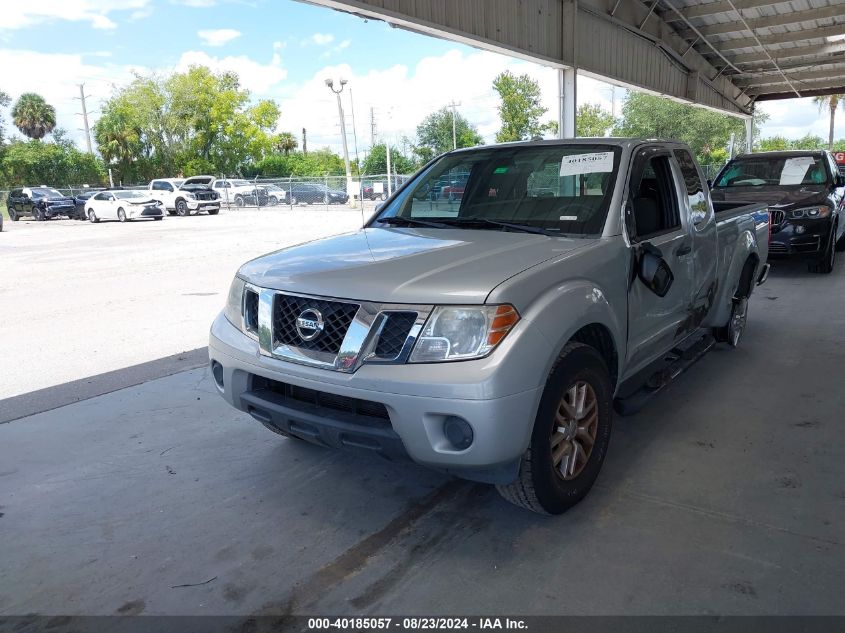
x: 580, y: 374
x: 824, y: 264
x: 292, y: 200
x: 38, y: 214
x: 840, y: 244
x: 121, y: 215
x: 92, y: 217
x: 158, y: 217
x: 171, y: 212
x: 239, y: 201
x: 383, y: 197
x: 13, y: 215
x: 213, y: 211
x: 182, y: 209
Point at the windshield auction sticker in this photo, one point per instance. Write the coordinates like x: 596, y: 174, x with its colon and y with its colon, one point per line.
x: 794, y: 170
x: 596, y: 162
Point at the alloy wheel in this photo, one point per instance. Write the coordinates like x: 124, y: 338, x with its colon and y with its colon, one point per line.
x: 574, y: 430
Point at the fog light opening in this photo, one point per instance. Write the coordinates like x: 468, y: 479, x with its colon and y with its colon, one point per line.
x: 458, y: 432
x: 217, y: 373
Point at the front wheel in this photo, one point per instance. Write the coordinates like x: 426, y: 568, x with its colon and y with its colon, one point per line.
x: 570, y: 436
x: 13, y: 215
x: 273, y: 201
x: 384, y: 196
x: 824, y: 264
x: 239, y: 201
x: 182, y: 208
x: 121, y: 215
x: 39, y: 216
x: 92, y: 217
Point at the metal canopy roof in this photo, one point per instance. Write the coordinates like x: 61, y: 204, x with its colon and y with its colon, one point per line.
x: 721, y: 54
x: 770, y: 50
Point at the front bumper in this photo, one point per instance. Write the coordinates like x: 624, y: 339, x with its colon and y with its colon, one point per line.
x: 203, y: 205
x: 416, y: 400
x: 787, y: 240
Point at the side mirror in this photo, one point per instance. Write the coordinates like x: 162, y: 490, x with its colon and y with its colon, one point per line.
x: 653, y: 271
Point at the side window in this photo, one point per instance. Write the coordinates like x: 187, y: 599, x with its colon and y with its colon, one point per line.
x: 102, y: 196
x: 692, y: 184
x: 654, y: 200
x: 158, y: 185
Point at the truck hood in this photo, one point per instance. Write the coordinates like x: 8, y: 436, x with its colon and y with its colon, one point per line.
x: 780, y: 197
x: 403, y: 265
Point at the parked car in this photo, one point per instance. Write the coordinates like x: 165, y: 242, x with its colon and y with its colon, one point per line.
x: 316, y: 193
x: 80, y: 199
x: 231, y: 191
x: 41, y: 203
x: 374, y: 191
x: 178, y: 196
x: 275, y: 194
x: 492, y: 339
x: 805, y: 193
x: 123, y: 205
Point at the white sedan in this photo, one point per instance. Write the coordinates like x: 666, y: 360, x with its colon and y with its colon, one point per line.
x: 123, y: 205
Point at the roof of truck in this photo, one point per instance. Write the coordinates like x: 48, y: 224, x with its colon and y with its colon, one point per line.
x: 594, y: 140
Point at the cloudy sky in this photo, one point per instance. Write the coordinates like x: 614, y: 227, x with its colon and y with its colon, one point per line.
x: 283, y: 50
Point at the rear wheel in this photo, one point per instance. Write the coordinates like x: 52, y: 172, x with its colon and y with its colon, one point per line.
x: 38, y: 214
x: 273, y: 201
x: 121, y: 215
x: 824, y: 264
x: 570, y: 436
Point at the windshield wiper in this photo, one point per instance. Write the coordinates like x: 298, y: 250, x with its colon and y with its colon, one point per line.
x: 403, y: 221
x: 524, y: 228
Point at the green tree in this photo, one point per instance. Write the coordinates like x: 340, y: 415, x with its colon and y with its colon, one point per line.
x: 520, y: 109
x: 592, y: 120
x: 831, y: 102
x: 809, y: 141
x: 285, y: 143
x: 774, y: 144
x: 33, y: 116
x: 706, y: 132
x: 36, y: 162
x: 376, y: 162
x: 434, y: 133
x: 322, y: 162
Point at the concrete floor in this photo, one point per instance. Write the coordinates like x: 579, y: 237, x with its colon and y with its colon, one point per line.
x: 726, y: 495
x: 101, y: 297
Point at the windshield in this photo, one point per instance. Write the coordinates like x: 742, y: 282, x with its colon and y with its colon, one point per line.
x: 558, y: 189
x: 240, y: 183
x: 129, y: 195
x: 773, y: 170
x: 46, y: 192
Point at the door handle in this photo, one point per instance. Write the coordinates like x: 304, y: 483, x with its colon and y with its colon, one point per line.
x: 683, y: 249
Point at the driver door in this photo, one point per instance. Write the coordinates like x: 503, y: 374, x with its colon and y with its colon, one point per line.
x: 656, y: 219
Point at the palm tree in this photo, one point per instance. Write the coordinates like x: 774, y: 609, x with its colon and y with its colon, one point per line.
x: 33, y: 116
x: 286, y: 142
x: 832, y: 102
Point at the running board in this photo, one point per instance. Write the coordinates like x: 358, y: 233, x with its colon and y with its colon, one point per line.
x: 677, y: 361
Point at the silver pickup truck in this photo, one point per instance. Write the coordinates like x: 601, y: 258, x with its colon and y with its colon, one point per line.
x: 492, y: 332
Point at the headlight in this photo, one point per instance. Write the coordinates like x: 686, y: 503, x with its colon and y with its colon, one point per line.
x: 235, y: 302
x: 189, y: 195
x: 463, y: 332
x: 822, y: 211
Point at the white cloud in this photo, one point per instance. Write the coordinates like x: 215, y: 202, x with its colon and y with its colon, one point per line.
x: 17, y: 15
x: 322, y: 39
x: 403, y: 96
x: 794, y: 118
x: 258, y: 78
x: 218, y: 37
x: 56, y: 77
x: 336, y: 49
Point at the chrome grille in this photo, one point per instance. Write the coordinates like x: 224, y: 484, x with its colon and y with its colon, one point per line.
x: 337, y: 317
x: 392, y: 338
x: 776, y: 217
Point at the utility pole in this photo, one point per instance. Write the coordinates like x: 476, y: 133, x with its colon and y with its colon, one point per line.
x: 304, y: 142
x: 389, y: 177
x: 330, y: 84
x: 373, y: 132
x: 355, y: 141
x: 454, y: 105
x: 85, y: 118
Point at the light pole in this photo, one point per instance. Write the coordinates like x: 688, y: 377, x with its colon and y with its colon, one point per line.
x: 330, y: 84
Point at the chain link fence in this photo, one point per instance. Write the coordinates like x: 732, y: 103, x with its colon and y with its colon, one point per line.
x: 299, y: 192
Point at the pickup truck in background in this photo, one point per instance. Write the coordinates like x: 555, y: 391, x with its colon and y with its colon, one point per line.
x: 805, y: 192
x: 493, y: 337
x: 233, y: 191
x: 185, y: 197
